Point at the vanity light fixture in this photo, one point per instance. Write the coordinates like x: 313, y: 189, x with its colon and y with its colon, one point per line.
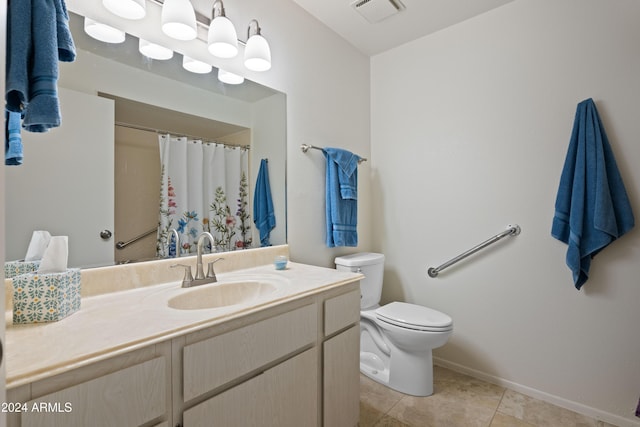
x: 129, y: 9
x: 222, y: 37
x: 154, y: 51
x: 195, y: 66
x: 257, y: 54
x: 179, y: 19
x: 229, y: 78
x: 103, y: 32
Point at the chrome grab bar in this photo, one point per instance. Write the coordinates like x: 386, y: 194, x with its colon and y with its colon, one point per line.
x: 512, y: 230
x: 122, y: 245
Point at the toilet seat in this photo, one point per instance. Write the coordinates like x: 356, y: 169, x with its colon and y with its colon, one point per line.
x: 412, y: 316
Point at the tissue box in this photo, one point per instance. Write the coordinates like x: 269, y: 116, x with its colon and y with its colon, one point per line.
x: 16, y: 268
x: 45, y: 297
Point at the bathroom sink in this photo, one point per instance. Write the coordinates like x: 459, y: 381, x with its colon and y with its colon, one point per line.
x: 225, y: 294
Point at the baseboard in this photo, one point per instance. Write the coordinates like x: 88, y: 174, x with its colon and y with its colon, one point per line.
x: 537, y: 394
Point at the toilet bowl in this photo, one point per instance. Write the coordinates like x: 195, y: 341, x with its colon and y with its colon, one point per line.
x: 396, y: 339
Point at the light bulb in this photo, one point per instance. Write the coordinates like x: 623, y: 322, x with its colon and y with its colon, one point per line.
x: 179, y: 20
x: 103, y: 32
x: 129, y: 9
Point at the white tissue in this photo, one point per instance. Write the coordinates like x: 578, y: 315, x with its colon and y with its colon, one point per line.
x: 38, y: 244
x: 55, y: 256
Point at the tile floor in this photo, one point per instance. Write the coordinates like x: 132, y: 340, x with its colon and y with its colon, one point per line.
x: 461, y: 401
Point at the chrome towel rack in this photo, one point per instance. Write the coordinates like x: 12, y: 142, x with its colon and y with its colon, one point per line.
x: 307, y: 147
x: 512, y: 230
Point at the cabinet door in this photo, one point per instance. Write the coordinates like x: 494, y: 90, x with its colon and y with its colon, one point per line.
x: 285, y: 395
x: 342, y: 379
x: 131, y: 396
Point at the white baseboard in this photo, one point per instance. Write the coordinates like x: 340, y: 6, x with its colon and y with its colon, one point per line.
x: 541, y: 395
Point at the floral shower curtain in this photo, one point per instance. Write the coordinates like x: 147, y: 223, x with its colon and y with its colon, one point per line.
x: 204, y: 187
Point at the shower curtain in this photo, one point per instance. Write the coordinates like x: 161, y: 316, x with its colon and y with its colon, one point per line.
x: 204, y: 187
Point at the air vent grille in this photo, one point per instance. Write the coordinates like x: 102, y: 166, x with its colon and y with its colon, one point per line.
x: 377, y: 10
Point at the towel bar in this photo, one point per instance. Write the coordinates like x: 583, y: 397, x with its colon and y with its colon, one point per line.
x: 307, y: 147
x: 512, y: 230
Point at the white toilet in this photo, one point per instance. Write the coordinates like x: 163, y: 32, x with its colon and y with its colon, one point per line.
x: 396, y: 339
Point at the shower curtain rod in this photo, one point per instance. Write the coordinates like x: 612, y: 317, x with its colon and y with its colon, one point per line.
x: 160, y: 131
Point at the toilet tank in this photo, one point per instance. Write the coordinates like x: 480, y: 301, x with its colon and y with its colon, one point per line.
x: 372, y: 266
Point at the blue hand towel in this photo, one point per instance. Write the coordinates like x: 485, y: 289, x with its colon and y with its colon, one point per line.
x: 13, y: 141
x: 341, y: 197
x: 38, y: 35
x: 263, y: 214
x: 43, y: 111
x: 592, y: 207
x: 66, y: 47
x: 19, y: 52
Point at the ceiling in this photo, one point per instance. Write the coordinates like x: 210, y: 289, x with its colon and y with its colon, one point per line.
x: 420, y: 18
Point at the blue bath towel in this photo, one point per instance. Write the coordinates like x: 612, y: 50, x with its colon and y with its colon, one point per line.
x: 13, y: 141
x: 263, y: 214
x: 341, y: 197
x: 592, y: 207
x: 38, y: 36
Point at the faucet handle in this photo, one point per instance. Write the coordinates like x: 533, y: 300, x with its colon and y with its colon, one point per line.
x: 188, y: 277
x: 210, y: 272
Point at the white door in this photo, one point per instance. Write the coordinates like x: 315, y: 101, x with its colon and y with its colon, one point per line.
x: 66, y: 182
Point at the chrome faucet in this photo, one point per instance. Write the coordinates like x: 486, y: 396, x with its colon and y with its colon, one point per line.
x: 200, y: 278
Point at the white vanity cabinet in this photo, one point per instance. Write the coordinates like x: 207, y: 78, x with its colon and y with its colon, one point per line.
x: 289, y: 364
x: 132, y: 389
x: 341, y: 360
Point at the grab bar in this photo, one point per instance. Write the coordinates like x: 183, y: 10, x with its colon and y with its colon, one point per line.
x: 122, y: 245
x: 512, y: 230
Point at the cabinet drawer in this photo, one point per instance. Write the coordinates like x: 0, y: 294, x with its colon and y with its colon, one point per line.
x: 215, y: 361
x: 285, y: 395
x: 131, y: 396
x: 341, y: 311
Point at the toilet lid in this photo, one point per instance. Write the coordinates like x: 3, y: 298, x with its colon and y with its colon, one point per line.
x: 414, y: 317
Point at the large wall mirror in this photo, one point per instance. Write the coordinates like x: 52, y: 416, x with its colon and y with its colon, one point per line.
x: 78, y: 179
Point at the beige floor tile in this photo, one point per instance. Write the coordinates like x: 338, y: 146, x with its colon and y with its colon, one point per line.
x: 503, y: 420
x: 376, y: 395
x: 458, y: 400
x: 369, y: 416
x: 388, y: 421
x: 541, y: 414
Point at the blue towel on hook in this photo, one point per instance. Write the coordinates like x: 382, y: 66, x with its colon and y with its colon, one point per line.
x: 341, y: 197
x: 13, y: 141
x: 38, y: 37
x: 263, y: 214
x: 592, y: 207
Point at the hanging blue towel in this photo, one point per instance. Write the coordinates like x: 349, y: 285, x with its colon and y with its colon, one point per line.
x: 13, y: 141
x: 592, y: 207
x: 38, y: 36
x: 341, y: 197
x: 263, y: 215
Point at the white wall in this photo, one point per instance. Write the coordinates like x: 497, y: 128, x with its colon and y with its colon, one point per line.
x: 470, y: 128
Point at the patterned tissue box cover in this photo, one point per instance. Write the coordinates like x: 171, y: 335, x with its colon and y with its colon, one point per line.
x: 45, y: 297
x: 16, y: 268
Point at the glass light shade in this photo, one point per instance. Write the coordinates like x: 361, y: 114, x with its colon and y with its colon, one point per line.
x: 179, y: 20
x: 195, y: 66
x: 257, y: 54
x: 129, y: 9
x: 154, y: 51
x: 103, y: 32
x: 229, y: 78
x: 222, y: 38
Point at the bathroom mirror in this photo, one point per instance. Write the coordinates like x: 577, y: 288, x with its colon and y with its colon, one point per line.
x: 68, y: 188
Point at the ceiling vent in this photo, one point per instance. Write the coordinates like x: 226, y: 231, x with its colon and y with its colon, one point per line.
x: 377, y: 10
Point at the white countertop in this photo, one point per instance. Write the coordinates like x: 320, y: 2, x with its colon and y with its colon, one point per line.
x: 118, y: 322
